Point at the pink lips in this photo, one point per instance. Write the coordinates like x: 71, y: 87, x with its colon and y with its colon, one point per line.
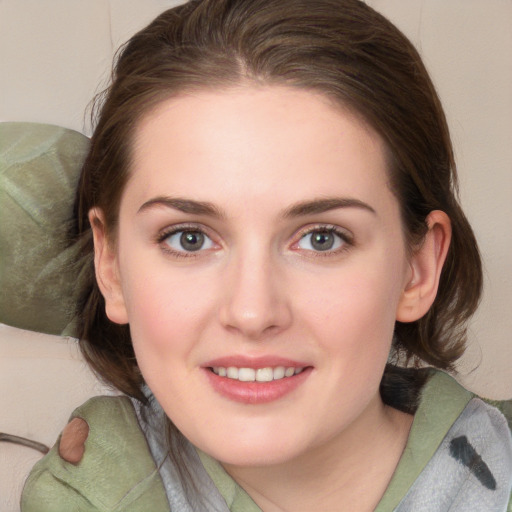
x: 255, y: 392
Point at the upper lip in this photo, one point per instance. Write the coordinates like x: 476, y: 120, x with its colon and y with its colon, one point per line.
x: 240, y: 361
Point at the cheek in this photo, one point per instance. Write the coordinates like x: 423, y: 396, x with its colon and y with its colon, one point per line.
x: 165, y: 306
x: 356, y: 301
x: 353, y: 319
x: 166, y: 321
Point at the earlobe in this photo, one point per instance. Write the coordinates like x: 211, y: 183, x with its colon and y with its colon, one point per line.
x: 426, y: 265
x: 106, y: 267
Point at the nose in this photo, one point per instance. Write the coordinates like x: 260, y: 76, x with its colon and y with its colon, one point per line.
x: 255, y: 304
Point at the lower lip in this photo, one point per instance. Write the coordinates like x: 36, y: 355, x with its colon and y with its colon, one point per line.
x: 256, y: 392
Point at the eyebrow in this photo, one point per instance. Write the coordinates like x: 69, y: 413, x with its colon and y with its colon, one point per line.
x: 324, y: 205
x: 184, y: 205
x: 301, y: 209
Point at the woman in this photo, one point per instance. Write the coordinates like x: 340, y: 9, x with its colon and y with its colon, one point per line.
x: 269, y: 222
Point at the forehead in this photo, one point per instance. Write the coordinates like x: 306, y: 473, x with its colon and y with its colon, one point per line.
x: 255, y: 141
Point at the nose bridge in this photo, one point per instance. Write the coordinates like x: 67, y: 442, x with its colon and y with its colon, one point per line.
x: 255, y: 301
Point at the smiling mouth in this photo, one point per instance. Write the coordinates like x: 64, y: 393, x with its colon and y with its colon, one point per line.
x: 267, y: 374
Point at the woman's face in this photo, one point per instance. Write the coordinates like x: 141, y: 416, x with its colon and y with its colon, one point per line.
x: 261, y: 264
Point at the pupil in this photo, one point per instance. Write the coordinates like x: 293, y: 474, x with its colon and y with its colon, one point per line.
x: 322, y: 241
x: 192, y: 241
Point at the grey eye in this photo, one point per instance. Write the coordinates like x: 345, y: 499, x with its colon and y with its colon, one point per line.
x: 320, y: 240
x: 188, y: 241
x: 192, y: 241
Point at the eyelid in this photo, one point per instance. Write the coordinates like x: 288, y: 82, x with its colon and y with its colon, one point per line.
x: 175, y: 228
x: 168, y: 231
x: 345, y: 235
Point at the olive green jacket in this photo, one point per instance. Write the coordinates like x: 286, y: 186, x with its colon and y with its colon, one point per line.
x: 117, y: 471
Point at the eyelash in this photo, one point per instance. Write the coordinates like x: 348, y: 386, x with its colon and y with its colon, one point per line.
x: 346, y: 239
x: 181, y: 228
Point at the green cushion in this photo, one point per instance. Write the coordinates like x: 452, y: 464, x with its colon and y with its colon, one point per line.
x: 39, y: 170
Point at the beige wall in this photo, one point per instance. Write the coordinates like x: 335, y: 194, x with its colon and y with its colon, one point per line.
x: 467, y: 47
x: 54, y: 53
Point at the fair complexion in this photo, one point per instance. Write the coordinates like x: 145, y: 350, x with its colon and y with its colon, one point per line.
x: 258, y: 231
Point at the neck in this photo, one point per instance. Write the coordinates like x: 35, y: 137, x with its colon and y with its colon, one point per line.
x: 349, y: 472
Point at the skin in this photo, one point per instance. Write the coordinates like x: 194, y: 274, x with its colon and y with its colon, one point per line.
x: 259, y: 288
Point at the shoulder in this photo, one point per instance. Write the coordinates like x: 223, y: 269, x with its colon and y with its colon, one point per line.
x: 505, y: 407
x: 471, y: 467
x: 491, y: 421
x: 101, y: 462
x: 479, y: 440
x: 479, y: 444
x: 447, y: 402
x: 458, y: 445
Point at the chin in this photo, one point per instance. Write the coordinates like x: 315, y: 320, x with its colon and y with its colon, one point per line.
x: 242, y: 453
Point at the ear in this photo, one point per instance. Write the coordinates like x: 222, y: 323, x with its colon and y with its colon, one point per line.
x: 426, y: 264
x: 107, y: 272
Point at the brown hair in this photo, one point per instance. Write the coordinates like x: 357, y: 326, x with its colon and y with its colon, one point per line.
x: 341, y: 48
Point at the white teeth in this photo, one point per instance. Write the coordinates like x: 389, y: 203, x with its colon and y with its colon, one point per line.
x: 247, y: 374
x: 289, y: 372
x: 279, y: 372
x: 232, y: 373
x: 264, y: 374
x: 267, y: 374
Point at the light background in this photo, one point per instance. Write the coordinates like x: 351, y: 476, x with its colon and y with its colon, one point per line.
x: 56, y: 54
